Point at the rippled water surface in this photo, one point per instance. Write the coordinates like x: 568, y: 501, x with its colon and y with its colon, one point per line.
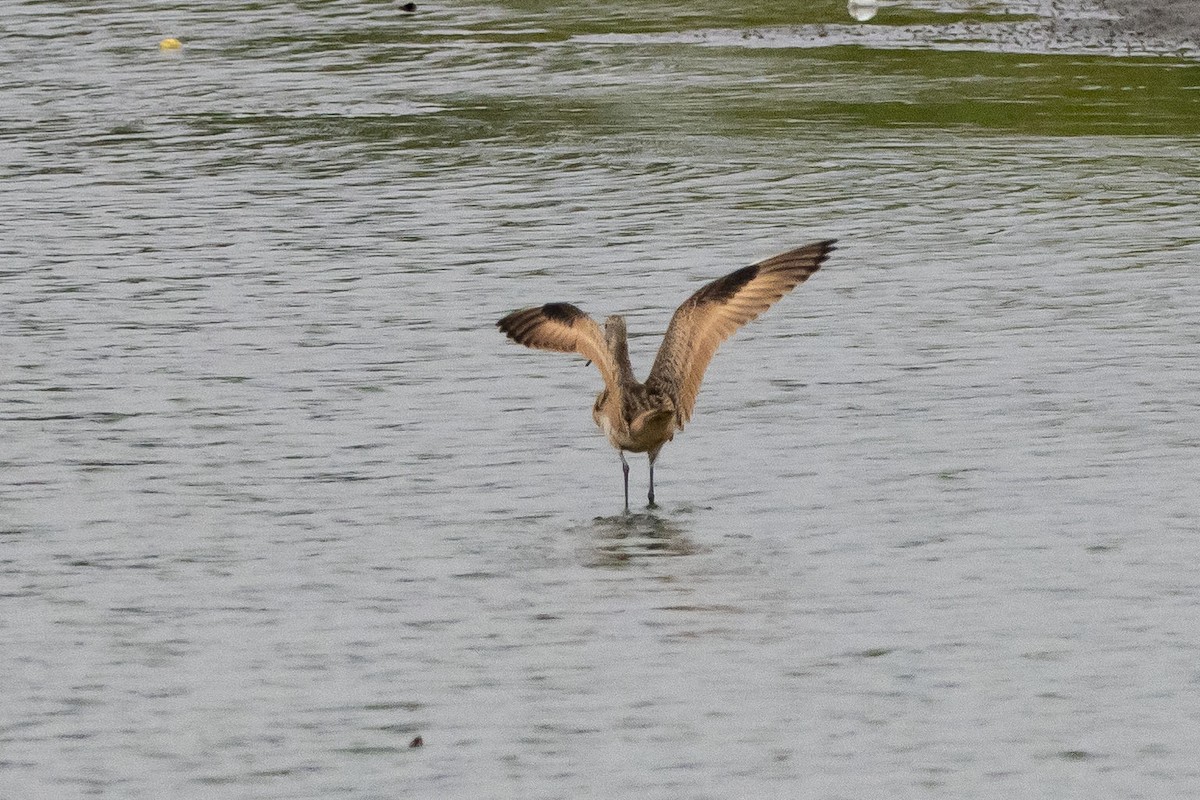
x: 276, y: 497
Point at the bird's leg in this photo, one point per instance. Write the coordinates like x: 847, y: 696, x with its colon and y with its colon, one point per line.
x: 653, y: 455
x: 625, y: 469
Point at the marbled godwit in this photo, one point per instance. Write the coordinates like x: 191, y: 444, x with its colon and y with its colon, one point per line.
x: 642, y: 417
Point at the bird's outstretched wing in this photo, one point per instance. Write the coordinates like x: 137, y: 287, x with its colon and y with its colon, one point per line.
x: 712, y: 314
x: 564, y: 328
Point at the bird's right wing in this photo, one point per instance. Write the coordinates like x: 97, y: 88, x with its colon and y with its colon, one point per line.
x: 564, y: 328
x: 711, y: 315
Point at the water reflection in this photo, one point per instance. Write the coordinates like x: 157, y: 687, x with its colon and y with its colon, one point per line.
x: 618, y: 540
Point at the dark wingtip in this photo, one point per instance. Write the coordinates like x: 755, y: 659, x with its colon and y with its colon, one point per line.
x: 510, y: 323
x: 505, y: 322
x: 822, y: 247
x: 827, y: 247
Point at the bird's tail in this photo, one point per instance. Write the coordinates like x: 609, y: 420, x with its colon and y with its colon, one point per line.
x: 659, y: 421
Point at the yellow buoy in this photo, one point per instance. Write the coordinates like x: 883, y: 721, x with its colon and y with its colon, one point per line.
x: 170, y: 44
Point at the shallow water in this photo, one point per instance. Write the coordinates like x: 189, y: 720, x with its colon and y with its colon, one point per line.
x: 277, y: 497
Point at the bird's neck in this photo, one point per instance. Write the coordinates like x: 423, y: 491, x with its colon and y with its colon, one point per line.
x: 618, y: 345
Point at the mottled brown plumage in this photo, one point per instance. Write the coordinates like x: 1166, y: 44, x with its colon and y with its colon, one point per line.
x: 642, y: 417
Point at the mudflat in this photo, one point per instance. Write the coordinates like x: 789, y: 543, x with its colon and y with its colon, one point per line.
x: 1164, y: 20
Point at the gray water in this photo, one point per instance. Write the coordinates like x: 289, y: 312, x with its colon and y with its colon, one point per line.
x: 277, y: 498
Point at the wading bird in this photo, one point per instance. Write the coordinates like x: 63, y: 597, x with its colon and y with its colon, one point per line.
x: 642, y: 417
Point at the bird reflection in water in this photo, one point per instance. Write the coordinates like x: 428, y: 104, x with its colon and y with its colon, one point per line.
x: 618, y: 540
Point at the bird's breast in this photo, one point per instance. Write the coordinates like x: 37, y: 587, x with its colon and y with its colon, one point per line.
x: 608, y: 419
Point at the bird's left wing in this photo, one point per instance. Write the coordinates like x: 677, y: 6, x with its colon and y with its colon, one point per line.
x: 564, y: 328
